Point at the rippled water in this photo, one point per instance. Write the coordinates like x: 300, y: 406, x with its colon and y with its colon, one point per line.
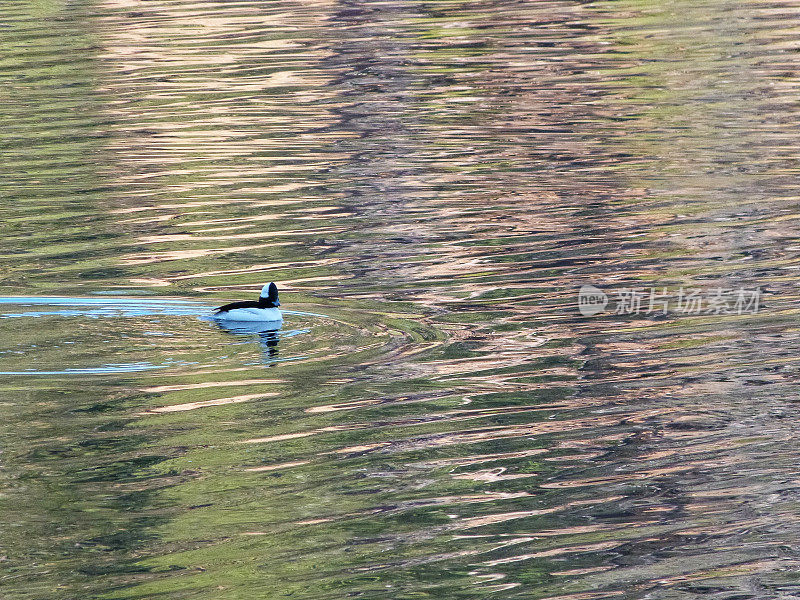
x: 429, y: 183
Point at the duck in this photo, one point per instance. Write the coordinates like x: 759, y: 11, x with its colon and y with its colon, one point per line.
x: 263, y: 309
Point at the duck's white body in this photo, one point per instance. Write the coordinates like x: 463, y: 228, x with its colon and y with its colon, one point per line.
x: 251, y: 314
x: 263, y: 311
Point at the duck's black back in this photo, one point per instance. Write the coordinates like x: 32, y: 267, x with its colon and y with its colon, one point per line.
x: 243, y: 304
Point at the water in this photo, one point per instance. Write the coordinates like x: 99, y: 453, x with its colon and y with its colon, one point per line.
x: 430, y: 183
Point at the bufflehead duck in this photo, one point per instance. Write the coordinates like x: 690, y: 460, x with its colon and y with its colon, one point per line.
x: 266, y: 309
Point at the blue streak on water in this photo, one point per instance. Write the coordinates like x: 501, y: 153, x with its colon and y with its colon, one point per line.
x: 105, y: 307
x: 92, y: 301
x: 102, y: 370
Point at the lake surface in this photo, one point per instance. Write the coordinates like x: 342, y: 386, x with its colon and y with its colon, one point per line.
x: 430, y: 184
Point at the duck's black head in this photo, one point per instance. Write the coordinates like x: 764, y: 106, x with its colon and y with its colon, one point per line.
x: 269, y: 296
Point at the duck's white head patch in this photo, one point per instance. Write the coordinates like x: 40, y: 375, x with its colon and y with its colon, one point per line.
x: 270, y: 291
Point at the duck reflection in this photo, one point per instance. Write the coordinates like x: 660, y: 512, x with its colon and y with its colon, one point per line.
x: 267, y: 332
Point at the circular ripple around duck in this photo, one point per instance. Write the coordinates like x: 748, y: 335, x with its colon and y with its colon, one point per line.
x: 95, y: 336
